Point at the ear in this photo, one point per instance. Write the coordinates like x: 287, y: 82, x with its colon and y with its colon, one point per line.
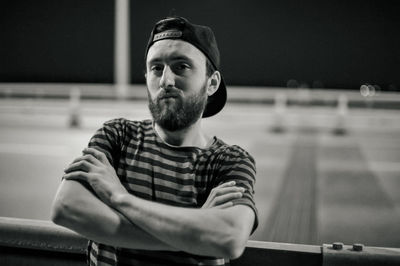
x: 213, y: 83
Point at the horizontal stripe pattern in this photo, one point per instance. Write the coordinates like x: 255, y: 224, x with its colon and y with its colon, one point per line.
x: 101, y: 255
x: 180, y: 176
x: 142, y: 257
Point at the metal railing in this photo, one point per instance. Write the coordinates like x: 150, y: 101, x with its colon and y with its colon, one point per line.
x: 34, y: 242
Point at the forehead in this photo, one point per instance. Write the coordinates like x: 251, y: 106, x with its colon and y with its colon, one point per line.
x: 170, y: 49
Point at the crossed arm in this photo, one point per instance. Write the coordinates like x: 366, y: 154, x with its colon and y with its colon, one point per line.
x: 93, y: 202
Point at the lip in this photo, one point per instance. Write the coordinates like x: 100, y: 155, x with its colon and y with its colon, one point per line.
x: 169, y: 96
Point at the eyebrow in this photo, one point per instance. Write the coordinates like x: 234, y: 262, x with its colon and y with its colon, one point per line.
x: 172, y: 58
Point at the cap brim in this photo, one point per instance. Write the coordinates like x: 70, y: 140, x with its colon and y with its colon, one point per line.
x: 216, y: 102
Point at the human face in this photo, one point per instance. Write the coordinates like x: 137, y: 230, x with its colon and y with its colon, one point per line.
x: 177, y: 83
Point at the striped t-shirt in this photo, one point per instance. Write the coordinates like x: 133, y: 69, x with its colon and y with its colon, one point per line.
x: 180, y: 176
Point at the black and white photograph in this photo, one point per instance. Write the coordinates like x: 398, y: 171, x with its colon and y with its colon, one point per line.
x: 225, y: 132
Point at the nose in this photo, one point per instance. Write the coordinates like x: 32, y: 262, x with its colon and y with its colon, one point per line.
x: 167, y: 79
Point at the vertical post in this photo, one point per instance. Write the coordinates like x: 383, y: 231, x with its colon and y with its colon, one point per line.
x: 341, y: 114
x: 278, y: 123
x: 121, y: 49
x: 74, y: 108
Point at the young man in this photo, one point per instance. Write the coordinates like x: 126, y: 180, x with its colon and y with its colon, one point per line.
x: 160, y: 191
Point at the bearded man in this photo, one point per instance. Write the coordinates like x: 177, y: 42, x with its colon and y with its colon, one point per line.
x: 161, y: 191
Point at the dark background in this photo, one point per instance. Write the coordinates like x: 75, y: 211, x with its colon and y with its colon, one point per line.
x: 336, y: 44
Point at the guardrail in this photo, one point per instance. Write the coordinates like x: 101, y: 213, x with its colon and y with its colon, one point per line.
x: 238, y: 94
x: 34, y: 242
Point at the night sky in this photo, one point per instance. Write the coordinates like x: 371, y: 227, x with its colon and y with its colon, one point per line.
x: 337, y: 44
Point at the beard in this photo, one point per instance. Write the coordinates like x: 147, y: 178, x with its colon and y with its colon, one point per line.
x: 177, y: 113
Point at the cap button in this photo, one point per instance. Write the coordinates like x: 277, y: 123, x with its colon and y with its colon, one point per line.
x: 337, y: 245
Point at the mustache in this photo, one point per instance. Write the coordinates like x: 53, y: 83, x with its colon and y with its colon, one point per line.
x: 169, y: 93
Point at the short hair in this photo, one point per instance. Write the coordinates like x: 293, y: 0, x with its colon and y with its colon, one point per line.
x: 210, y: 69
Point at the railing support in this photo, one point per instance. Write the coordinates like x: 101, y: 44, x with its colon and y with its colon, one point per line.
x: 33, y: 242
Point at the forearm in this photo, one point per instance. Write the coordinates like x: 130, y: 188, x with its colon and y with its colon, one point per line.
x: 76, y: 208
x: 209, y: 232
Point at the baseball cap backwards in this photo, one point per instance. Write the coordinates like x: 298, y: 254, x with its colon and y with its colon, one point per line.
x: 202, y: 37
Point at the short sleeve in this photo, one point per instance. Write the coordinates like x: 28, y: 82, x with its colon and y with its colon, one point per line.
x: 239, y: 166
x: 108, y: 140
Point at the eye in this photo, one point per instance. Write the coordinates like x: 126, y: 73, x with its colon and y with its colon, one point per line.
x: 156, y: 68
x: 180, y: 67
x: 183, y: 66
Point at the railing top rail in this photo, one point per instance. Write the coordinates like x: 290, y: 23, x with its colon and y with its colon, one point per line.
x: 284, y: 246
x: 38, y: 234
x: 44, y: 236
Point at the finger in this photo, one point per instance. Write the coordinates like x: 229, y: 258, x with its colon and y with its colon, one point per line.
x: 227, y: 197
x: 83, y: 166
x: 226, y: 190
x: 97, y: 154
x: 227, y: 184
x: 87, y: 157
x: 225, y: 205
x: 218, y: 188
x: 77, y: 175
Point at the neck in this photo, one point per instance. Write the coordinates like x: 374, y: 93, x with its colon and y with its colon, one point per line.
x: 190, y: 136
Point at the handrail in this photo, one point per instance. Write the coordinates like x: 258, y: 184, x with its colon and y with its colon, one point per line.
x: 35, y: 242
x: 239, y: 94
x: 37, y: 234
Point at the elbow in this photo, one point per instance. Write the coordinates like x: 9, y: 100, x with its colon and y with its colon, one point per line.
x: 230, y: 246
x: 58, y: 213
x: 234, y: 249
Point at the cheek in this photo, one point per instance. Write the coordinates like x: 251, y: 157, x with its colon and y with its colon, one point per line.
x: 151, y: 88
x: 151, y: 95
x: 152, y: 83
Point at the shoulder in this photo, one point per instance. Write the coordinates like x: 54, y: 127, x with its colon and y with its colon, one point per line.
x: 123, y: 124
x: 233, y: 152
x: 126, y: 122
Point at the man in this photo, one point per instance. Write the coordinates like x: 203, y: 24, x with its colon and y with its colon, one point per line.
x: 162, y: 192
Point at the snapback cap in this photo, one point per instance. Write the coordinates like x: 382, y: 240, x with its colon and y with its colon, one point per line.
x: 202, y: 37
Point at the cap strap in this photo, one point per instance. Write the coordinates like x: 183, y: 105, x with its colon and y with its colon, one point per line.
x: 167, y: 34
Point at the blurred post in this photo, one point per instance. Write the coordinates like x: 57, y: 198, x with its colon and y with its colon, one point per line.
x: 341, y: 114
x: 74, y: 108
x: 121, y: 49
x: 278, y: 123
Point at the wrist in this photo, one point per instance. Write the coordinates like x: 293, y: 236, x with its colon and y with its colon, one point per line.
x: 118, y: 198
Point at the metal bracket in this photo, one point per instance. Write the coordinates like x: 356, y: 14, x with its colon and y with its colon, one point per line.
x: 338, y: 254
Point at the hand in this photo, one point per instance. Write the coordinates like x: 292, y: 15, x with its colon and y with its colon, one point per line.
x: 94, y: 168
x: 222, y: 195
